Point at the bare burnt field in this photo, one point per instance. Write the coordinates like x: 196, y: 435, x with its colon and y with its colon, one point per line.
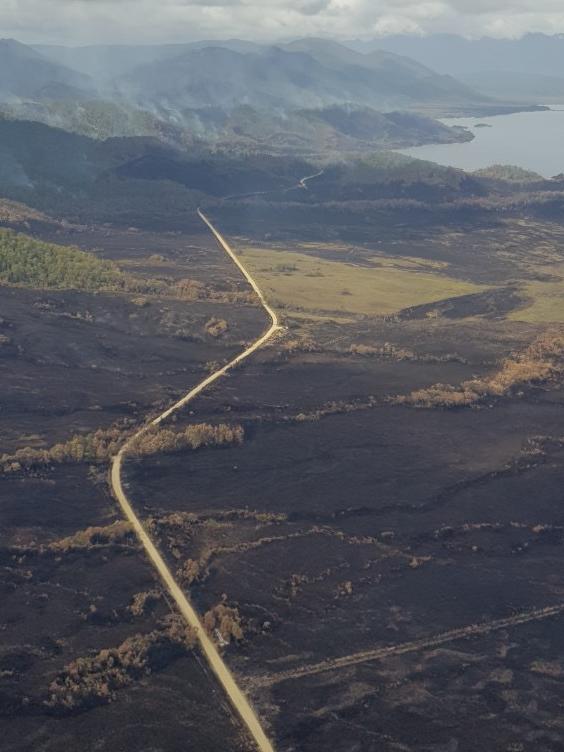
x: 75, y: 587
x: 394, y: 567
x: 321, y: 365
x: 92, y: 656
x: 84, y: 360
x: 339, y: 528
x: 381, y: 569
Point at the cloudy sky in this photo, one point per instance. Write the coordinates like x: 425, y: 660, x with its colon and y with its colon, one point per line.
x: 84, y: 21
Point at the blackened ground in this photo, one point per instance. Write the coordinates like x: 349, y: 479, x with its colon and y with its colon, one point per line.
x: 354, y: 531
x: 75, y: 362
x: 341, y: 524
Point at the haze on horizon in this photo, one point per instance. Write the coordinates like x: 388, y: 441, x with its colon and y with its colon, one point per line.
x: 77, y: 22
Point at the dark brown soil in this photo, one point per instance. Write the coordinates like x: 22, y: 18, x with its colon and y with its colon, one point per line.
x: 78, y: 362
x: 342, y: 524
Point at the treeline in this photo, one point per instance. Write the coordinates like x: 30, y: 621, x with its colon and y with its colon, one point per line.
x: 91, y: 681
x: 158, y: 440
x: 353, y: 218
x: 386, y: 175
x: 11, y: 212
x: 509, y: 173
x: 539, y: 363
x: 389, y: 351
x: 103, y: 444
x: 30, y: 262
x: 192, y: 289
x: 119, y: 533
x: 98, y: 446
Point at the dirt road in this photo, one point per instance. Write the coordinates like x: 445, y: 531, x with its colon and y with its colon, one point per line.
x: 304, y: 181
x: 236, y: 696
x: 426, y: 643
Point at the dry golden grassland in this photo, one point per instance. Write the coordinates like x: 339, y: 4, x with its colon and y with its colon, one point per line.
x: 295, y: 281
x: 532, y: 248
x: 545, y: 300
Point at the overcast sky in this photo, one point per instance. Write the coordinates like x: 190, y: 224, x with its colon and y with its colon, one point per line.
x: 85, y: 21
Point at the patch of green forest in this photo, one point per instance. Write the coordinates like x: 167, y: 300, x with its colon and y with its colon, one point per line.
x: 32, y: 263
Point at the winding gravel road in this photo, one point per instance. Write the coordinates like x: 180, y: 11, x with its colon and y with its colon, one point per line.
x: 236, y: 696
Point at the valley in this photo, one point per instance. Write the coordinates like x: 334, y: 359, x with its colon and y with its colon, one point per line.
x: 341, y: 518
x: 281, y: 447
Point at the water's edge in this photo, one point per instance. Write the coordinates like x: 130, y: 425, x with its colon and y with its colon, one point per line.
x: 531, y: 140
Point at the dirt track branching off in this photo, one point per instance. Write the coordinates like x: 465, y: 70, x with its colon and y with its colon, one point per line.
x: 425, y: 643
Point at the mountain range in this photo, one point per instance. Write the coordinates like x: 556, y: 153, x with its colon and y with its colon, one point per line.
x: 530, y: 68
x: 308, y: 95
x: 309, y: 73
x: 305, y: 73
x: 25, y: 73
x: 303, y: 97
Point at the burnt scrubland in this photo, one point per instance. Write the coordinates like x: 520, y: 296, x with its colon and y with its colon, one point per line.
x: 367, y: 515
x: 93, y: 341
x: 389, y: 527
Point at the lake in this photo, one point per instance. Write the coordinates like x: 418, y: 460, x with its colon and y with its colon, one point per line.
x: 532, y: 140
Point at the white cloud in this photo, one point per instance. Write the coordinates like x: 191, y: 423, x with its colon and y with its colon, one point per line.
x: 84, y: 21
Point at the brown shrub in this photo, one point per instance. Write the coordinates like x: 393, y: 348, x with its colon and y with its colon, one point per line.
x: 303, y: 343
x: 92, y: 447
x: 156, y: 440
x: 216, y: 327
x: 539, y: 363
x: 143, y: 601
x: 387, y: 350
x: 335, y: 408
x: 94, y: 680
x: 345, y: 589
x: 392, y: 352
x: 191, y: 571
x: 192, y: 289
x: 226, y: 620
x: 118, y: 533
x: 141, y: 302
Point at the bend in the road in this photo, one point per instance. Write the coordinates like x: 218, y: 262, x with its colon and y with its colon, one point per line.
x: 236, y: 696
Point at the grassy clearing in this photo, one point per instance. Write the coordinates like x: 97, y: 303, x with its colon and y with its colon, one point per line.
x: 546, y: 299
x: 327, y: 318
x: 296, y: 281
x: 345, y: 253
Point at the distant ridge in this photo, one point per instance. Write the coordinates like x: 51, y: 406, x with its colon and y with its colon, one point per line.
x: 25, y: 73
x: 305, y: 73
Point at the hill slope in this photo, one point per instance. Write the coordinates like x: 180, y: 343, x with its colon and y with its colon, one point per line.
x: 534, y: 53
x: 24, y: 73
x: 308, y: 73
x: 527, y: 69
